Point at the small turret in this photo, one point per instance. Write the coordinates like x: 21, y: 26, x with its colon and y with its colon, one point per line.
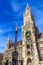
x: 8, y: 43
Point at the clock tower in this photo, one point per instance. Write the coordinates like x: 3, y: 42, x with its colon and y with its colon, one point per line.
x: 29, y: 47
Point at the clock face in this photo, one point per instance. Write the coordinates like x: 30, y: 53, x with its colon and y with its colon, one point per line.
x: 28, y: 35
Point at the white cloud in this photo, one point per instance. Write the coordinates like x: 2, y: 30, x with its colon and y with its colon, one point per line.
x: 38, y: 14
x: 4, y: 31
x: 15, y: 6
x: 3, y: 41
x: 6, y: 27
x: 1, y: 50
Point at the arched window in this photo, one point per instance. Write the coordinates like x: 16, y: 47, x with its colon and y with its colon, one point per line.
x: 28, y: 46
x: 28, y: 52
x: 6, y: 62
x: 29, y: 61
x: 14, y: 61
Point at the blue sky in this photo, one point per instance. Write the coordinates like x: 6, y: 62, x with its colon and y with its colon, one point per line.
x: 11, y: 14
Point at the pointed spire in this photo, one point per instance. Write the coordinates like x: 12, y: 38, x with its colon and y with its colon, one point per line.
x: 27, y: 9
x: 8, y: 42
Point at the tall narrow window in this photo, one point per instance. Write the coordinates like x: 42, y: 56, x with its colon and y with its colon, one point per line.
x: 6, y: 62
x: 21, y: 62
x: 29, y: 61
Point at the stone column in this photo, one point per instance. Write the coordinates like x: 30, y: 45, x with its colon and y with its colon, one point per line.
x: 9, y: 63
x: 3, y: 63
x: 25, y: 61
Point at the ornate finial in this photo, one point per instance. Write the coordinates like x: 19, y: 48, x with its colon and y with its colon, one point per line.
x: 16, y: 32
x: 16, y: 28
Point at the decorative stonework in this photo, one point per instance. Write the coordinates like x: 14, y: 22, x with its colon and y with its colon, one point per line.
x: 30, y: 49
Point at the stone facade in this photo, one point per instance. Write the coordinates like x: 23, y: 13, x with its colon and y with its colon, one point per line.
x: 29, y: 51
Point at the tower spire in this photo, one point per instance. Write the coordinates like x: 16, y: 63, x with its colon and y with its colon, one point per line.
x: 27, y: 6
x: 27, y: 9
x: 28, y: 18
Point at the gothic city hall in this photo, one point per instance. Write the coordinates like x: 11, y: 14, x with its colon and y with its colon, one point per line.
x: 29, y: 51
